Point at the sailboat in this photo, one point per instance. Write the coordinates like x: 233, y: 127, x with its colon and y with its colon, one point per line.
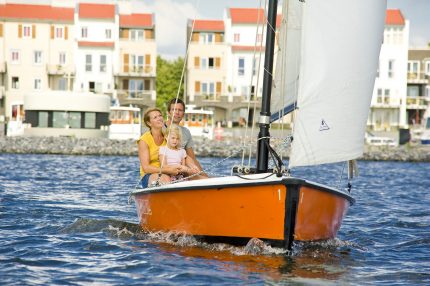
x: 332, y: 50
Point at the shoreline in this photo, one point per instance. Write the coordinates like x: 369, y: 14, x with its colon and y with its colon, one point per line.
x: 202, y: 148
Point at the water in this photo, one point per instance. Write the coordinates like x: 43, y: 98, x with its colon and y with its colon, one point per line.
x: 66, y: 220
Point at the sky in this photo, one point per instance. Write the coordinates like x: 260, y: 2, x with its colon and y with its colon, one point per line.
x: 171, y: 19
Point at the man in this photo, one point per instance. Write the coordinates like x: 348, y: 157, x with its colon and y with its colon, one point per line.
x: 175, y: 114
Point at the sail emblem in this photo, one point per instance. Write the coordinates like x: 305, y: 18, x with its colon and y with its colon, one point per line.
x: 324, y: 125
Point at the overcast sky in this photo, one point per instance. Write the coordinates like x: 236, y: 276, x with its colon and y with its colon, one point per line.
x: 171, y: 17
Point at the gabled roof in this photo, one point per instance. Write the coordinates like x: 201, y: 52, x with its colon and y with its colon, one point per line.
x: 136, y: 20
x: 394, y: 17
x: 209, y: 25
x: 36, y: 12
x: 249, y: 16
x: 96, y: 11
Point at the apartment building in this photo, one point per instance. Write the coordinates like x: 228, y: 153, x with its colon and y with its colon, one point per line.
x: 388, y: 106
x: 137, y: 59
x: 418, y: 89
x: 79, y: 53
x: 242, y: 51
x: 222, y: 66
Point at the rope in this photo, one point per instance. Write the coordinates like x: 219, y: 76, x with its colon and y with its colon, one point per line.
x: 180, y: 85
x: 250, y: 85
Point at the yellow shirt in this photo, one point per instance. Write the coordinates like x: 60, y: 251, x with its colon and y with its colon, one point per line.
x: 153, y: 150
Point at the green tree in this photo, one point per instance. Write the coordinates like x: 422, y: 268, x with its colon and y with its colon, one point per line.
x: 168, y: 79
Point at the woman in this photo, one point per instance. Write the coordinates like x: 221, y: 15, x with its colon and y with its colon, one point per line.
x: 148, y: 148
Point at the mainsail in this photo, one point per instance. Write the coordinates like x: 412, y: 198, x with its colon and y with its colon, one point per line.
x: 285, y: 86
x: 340, y: 46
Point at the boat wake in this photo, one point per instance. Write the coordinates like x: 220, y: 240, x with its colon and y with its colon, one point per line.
x: 126, y: 230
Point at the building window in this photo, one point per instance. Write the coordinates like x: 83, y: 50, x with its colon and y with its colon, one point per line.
x: 136, y: 34
x: 254, y: 66
x: 427, y: 67
x: 391, y: 68
x: 14, y: 57
x: 88, y: 63
x: 37, y: 83
x: 413, y: 91
x: 204, y: 63
x: 241, y: 66
x: 136, y: 62
x: 26, y: 31
x: 211, y: 88
x: 59, y: 32
x: 43, y: 119
x: 413, y: 68
x: 211, y: 63
x: 74, y: 119
x: 62, y: 58
x: 237, y: 38
x: 102, y: 63
x: 90, y: 120
x: 204, y: 88
x: 108, y: 33
x: 84, y: 32
x: 15, y: 82
x: 207, y: 38
x: 62, y: 84
x: 37, y: 57
x: 135, y: 88
x: 59, y: 119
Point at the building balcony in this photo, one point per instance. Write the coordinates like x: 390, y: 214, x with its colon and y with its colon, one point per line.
x: 136, y: 71
x: 416, y: 102
x: 59, y: 69
x: 417, y: 77
x: 223, y: 101
x: 137, y: 97
x: 386, y: 102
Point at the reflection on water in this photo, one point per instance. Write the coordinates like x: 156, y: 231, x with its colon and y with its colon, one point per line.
x: 318, y: 260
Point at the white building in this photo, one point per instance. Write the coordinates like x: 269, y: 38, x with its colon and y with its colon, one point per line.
x: 74, y: 46
x: 388, y: 106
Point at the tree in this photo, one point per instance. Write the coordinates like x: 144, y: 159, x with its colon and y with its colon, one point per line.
x: 168, y: 79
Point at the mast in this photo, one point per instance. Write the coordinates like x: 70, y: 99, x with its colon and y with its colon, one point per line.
x: 264, y: 122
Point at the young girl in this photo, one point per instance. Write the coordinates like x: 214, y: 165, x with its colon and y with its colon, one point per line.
x: 173, y: 155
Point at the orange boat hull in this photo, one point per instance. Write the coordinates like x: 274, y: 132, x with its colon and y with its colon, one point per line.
x: 283, y: 211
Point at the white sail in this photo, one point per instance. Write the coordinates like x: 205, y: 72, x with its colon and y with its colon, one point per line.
x: 285, y: 86
x: 341, y: 41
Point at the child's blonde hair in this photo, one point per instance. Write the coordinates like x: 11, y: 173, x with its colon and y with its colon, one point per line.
x: 173, y: 129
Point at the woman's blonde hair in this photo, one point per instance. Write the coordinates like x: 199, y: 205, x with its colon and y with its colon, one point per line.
x: 146, y: 117
x: 173, y: 129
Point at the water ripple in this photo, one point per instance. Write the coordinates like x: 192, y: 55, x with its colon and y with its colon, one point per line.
x: 66, y: 220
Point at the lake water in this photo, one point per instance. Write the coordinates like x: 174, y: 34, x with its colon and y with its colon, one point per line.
x: 66, y: 220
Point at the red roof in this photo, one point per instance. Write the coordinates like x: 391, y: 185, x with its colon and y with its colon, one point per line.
x: 136, y: 20
x: 96, y: 44
x: 250, y: 16
x: 37, y: 12
x: 208, y: 25
x: 96, y: 11
x: 247, y: 48
x: 394, y: 17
